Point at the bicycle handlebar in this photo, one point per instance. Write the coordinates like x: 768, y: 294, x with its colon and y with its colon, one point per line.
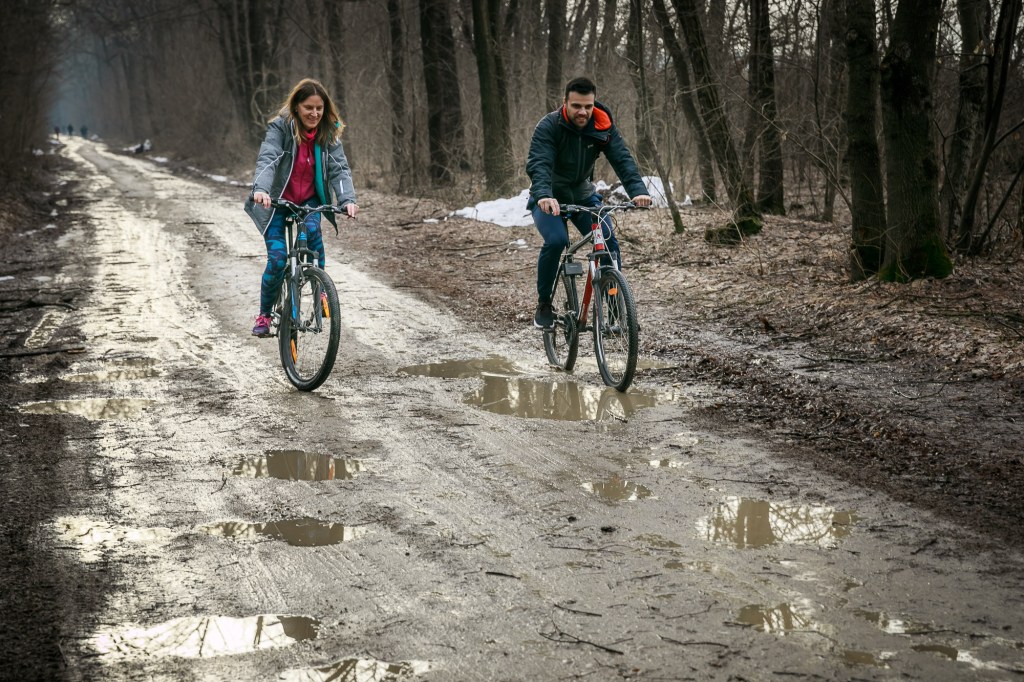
x: 303, y: 211
x: 569, y: 210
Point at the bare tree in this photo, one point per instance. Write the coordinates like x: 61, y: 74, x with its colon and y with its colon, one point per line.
x: 444, y: 105
x: 400, y: 158
x: 913, y: 246
x: 747, y: 220
x: 771, y: 195
x: 554, y: 11
x: 499, y: 164
x: 638, y: 72
x: 867, y: 193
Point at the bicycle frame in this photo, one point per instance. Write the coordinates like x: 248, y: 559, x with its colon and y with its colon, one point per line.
x: 600, y: 250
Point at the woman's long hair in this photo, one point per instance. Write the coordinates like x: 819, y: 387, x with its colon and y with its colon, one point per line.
x: 328, y: 131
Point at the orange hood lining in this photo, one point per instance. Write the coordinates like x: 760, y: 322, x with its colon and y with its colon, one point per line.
x: 602, y: 121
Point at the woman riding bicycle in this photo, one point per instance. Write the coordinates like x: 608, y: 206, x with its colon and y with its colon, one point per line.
x: 301, y: 160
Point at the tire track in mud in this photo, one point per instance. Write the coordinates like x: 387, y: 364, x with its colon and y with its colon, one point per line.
x: 484, y: 553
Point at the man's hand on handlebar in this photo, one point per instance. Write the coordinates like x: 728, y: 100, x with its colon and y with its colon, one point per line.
x: 549, y: 206
x: 642, y: 201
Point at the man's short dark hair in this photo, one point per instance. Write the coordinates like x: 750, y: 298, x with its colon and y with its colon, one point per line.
x: 582, y: 85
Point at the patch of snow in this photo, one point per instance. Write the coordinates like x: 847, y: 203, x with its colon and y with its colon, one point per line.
x: 510, y: 212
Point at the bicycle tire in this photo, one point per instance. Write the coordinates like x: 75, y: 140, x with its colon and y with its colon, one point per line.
x: 562, y: 343
x: 309, y: 347
x: 616, y: 330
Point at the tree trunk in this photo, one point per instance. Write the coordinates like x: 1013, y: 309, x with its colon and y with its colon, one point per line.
x: 867, y: 202
x: 684, y: 96
x: 554, y: 11
x: 638, y: 73
x: 998, y: 71
x: 771, y: 195
x: 396, y: 90
x: 913, y: 247
x: 747, y: 220
x: 444, y: 107
x: 499, y: 164
x: 963, y: 148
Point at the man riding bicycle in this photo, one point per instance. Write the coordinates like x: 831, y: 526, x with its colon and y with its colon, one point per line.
x: 564, y: 149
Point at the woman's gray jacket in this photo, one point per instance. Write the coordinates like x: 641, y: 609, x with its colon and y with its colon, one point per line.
x: 274, y: 169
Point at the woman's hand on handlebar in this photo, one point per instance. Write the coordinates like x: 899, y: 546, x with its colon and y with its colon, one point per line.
x: 261, y: 198
x: 352, y: 209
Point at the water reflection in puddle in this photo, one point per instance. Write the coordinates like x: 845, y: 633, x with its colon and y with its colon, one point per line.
x: 464, y: 369
x: 297, y: 465
x: 92, y: 537
x: 616, y: 489
x: 305, y: 532
x: 780, y: 620
x: 358, y: 670
x: 891, y: 624
x: 205, y: 637
x: 852, y: 658
x: 121, y: 370
x: 559, y: 400
x: 750, y: 523
x: 92, y: 408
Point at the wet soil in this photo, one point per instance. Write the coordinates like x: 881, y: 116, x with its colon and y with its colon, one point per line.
x: 810, y: 478
x: 916, y: 390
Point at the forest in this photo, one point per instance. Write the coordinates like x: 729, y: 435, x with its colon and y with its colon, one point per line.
x: 899, y: 121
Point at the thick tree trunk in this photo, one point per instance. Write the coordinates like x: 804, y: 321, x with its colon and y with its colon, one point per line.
x: 867, y: 202
x: 746, y: 217
x: 444, y: 107
x: 771, y: 194
x: 499, y: 164
x: 963, y: 147
x: 684, y: 96
x: 913, y: 247
x: 554, y: 12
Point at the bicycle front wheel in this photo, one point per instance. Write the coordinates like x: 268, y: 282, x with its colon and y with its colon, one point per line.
x: 310, y: 329
x: 616, y: 330
x: 562, y: 342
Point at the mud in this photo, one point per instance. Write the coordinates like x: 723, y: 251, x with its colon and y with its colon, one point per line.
x: 217, y: 524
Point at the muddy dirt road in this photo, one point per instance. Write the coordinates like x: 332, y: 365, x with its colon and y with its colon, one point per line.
x: 445, y: 507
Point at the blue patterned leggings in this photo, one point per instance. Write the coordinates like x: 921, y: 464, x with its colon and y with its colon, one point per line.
x: 277, y: 254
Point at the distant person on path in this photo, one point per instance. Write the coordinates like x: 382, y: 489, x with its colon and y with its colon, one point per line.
x: 71, y: 130
x: 56, y: 132
x: 85, y: 132
x: 301, y: 160
x: 564, y: 149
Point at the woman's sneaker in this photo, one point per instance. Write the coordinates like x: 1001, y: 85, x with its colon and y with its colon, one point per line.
x: 262, y: 327
x: 544, y: 318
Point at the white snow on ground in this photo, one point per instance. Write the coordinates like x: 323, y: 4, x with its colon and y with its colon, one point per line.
x: 511, y: 212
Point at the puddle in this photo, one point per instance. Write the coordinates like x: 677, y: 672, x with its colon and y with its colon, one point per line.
x: 750, y: 523
x: 205, y: 637
x: 358, y: 670
x: 304, y: 532
x: 950, y: 652
x: 93, y: 537
x: 893, y: 625
x: 616, y: 489
x: 122, y: 370
x: 780, y: 620
x: 668, y: 464
x: 41, y: 335
x: 297, y: 465
x: 852, y: 658
x: 559, y: 400
x: 464, y: 369
x: 92, y: 408
x: 655, y: 540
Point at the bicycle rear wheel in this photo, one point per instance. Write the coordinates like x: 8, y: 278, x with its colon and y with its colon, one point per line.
x: 616, y: 330
x: 562, y: 343
x: 310, y: 329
